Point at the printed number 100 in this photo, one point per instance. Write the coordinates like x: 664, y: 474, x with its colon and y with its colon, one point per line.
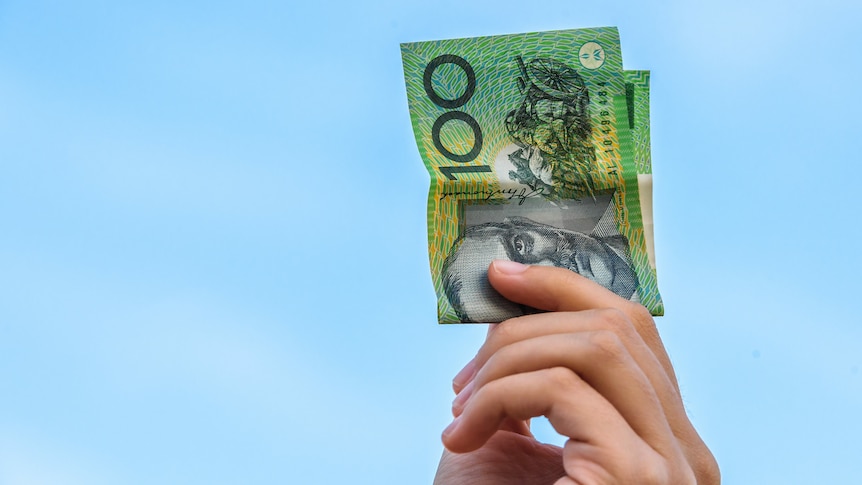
x: 451, y: 170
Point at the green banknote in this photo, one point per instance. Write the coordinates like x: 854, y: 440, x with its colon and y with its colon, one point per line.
x: 535, y: 146
x: 637, y: 102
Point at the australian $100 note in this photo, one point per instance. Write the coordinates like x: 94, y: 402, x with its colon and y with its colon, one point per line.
x: 531, y: 141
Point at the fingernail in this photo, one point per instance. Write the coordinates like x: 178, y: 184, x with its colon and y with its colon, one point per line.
x: 461, y: 399
x: 464, y: 375
x: 509, y: 267
x: 451, y: 428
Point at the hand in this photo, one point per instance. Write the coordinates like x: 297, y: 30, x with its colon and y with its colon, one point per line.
x: 596, y: 368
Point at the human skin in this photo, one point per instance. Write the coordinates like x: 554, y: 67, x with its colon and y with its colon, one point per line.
x: 595, y: 366
x: 529, y: 242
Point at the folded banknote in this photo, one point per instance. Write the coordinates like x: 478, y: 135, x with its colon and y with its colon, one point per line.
x: 538, y: 149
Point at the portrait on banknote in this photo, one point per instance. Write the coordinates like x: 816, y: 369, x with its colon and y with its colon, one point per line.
x: 581, y: 236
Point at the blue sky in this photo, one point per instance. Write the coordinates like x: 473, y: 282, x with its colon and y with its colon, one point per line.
x: 213, y: 262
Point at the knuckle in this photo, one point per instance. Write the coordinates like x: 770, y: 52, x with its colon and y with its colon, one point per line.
x: 562, y: 378
x: 650, y: 468
x: 616, y: 320
x: 641, y: 317
x: 654, y: 473
x: 504, y: 333
x: 706, y: 469
x: 607, y: 345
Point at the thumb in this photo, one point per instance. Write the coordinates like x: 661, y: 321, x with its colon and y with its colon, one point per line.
x: 550, y: 288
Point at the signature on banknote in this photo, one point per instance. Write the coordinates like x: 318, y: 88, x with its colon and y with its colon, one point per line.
x: 520, y: 193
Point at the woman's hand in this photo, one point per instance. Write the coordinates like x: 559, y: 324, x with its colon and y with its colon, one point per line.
x: 596, y: 368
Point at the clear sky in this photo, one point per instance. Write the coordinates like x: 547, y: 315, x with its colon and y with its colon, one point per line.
x: 213, y: 263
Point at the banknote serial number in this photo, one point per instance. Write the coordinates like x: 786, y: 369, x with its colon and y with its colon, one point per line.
x: 451, y: 171
x: 605, y: 121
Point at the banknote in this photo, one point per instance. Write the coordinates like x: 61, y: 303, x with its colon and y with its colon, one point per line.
x: 637, y: 103
x: 535, y: 146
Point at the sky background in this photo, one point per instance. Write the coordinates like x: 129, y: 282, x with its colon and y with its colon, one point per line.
x: 213, y: 262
